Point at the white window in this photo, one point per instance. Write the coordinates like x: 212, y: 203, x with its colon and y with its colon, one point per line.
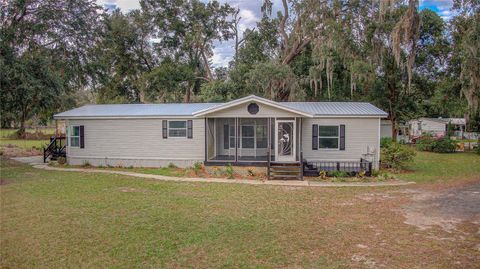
x: 74, y: 136
x: 328, y: 137
x: 177, y: 128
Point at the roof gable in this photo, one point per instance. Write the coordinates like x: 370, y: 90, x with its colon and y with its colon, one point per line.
x: 252, y: 98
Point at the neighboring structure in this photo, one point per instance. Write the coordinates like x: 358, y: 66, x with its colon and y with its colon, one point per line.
x: 246, y: 131
x: 385, y: 128
x: 436, y: 126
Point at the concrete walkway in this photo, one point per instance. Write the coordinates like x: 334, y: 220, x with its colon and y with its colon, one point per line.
x: 36, y: 162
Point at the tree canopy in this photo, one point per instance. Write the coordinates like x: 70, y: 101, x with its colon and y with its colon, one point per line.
x: 407, y: 61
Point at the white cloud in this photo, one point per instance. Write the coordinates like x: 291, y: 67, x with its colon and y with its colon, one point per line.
x: 124, y: 5
x: 222, y: 54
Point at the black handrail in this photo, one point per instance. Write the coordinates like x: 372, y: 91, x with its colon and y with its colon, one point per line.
x: 301, y: 165
x: 53, y: 148
x: 345, y: 166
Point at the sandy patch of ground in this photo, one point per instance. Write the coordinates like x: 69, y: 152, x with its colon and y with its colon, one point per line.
x: 14, y: 151
x: 446, y: 208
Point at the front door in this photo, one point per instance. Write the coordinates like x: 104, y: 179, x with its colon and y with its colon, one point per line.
x: 285, y: 140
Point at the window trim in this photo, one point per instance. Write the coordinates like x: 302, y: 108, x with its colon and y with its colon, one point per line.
x: 338, y: 137
x: 168, y: 129
x: 70, y: 135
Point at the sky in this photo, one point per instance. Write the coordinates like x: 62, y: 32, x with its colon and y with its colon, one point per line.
x: 250, y: 14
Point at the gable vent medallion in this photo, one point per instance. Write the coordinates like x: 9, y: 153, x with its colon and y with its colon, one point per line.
x: 253, y: 108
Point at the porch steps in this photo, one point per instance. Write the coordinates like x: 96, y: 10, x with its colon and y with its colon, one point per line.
x: 285, y: 171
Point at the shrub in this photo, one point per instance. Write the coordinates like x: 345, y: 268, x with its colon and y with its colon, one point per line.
x: 362, y: 174
x: 197, y: 167
x: 385, y: 142
x: 172, y: 165
x: 396, y: 156
x: 229, y: 171
x: 385, y: 176
x: 339, y: 174
x: 425, y: 143
x: 444, y: 145
x: 62, y: 160
x: 375, y: 173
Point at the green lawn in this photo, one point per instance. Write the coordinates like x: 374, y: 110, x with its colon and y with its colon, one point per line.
x: 26, y: 144
x: 5, y: 139
x: 429, y: 167
x: 6, y: 133
x: 52, y: 219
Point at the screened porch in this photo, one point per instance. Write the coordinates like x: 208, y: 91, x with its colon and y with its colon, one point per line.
x: 248, y: 140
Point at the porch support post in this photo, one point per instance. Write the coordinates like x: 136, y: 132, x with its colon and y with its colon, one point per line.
x: 269, y: 145
x: 236, y: 139
x: 206, y: 140
x: 300, y: 141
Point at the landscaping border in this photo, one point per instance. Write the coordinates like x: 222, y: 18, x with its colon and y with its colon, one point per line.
x: 292, y: 183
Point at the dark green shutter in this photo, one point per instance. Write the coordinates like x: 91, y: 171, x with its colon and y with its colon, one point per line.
x: 82, y: 136
x: 314, y: 136
x: 189, y: 129
x: 164, y: 129
x: 342, y: 137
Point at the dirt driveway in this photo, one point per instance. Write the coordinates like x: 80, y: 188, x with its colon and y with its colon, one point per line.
x: 445, y: 208
x: 445, y: 219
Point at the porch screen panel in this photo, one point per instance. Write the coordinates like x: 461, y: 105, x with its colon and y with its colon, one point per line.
x: 210, y: 133
x: 224, y: 139
x: 253, y: 139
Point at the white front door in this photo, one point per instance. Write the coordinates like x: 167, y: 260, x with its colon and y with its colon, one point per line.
x: 285, y: 140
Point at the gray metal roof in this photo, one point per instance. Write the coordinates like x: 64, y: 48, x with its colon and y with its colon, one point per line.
x: 337, y: 108
x: 182, y: 109
x: 135, y: 110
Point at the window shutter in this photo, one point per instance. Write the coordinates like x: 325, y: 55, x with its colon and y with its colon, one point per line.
x: 226, y: 136
x: 342, y: 137
x: 189, y: 129
x: 82, y: 136
x: 315, y: 136
x: 164, y: 128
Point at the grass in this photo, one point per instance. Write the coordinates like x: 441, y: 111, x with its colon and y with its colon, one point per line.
x: 52, y: 219
x: 5, y: 138
x: 163, y: 171
x: 26, y: 144
x: 430, y: 167
x: 6, y: 133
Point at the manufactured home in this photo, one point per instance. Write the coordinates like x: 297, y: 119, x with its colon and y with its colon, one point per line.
x: 436, y: 126
x: 250, y: 131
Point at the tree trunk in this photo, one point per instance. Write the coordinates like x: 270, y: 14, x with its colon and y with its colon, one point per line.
x: 207, y: 66
x: 394, y: 129
x: 188, y: 93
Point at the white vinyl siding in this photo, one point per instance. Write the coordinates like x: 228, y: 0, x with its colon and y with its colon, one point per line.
x: 138, y: 139
x: 360, y: 134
